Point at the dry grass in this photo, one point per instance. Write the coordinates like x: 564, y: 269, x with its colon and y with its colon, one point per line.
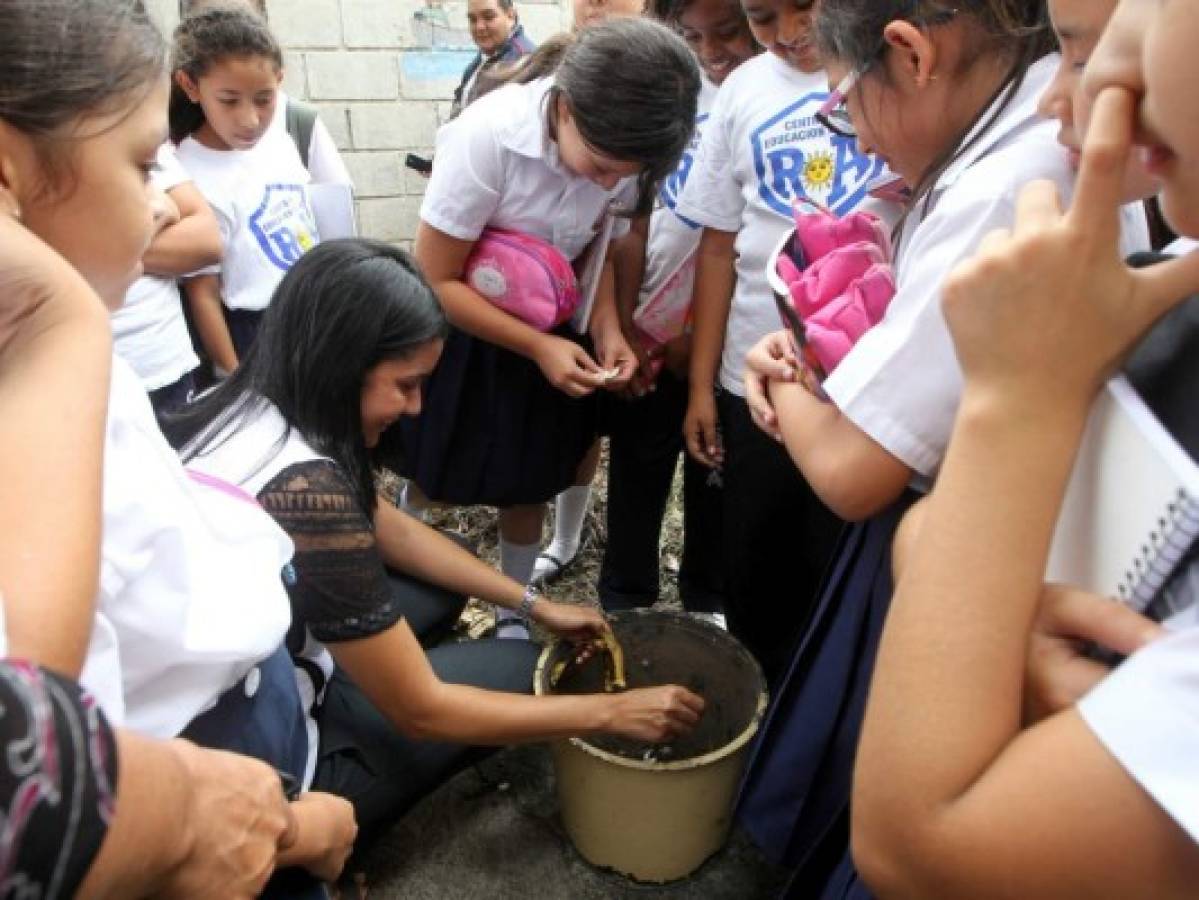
x: 478, y: 524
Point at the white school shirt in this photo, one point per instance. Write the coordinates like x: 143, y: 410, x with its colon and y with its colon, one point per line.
x: 1146, y: 713
x: 261, y: 204
x: 497, y: 167
x: 763, y: 149
x: 149, y: 331
x: 250, y: 455
x: 191, y: 596
x: 673, y: 239
x: 901, y: 382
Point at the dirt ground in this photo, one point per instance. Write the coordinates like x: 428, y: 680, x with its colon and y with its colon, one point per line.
x: 493, y: 831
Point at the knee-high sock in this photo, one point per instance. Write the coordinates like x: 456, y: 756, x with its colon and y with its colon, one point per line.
x: 570, y: 511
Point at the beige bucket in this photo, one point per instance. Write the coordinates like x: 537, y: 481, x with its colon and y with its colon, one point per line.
x: 656, y: 813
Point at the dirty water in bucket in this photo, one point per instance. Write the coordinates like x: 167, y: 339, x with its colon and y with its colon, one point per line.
x: 673, y: 648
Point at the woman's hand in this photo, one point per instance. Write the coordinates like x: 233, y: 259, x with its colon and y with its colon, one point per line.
x: 769, y: 359
x: 1068, y: 621
x: 235, y: 823
x: 577, y: 624
x: 567, y: 366
x: 325, y: 834
x: 700, y: 428
x: 656, y: 714
x: 1044, y: 313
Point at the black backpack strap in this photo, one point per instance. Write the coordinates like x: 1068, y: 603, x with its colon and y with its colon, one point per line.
x: 301, y: 120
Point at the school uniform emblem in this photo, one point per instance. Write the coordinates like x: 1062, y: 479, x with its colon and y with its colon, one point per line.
x: 795, y: 157
x: 673, y: 184
x: 283, y: 225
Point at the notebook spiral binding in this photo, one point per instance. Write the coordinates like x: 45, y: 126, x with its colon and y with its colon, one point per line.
x: 1159, y: 557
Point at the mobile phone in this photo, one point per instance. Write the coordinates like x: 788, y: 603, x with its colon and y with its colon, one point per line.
x: 419, y: 164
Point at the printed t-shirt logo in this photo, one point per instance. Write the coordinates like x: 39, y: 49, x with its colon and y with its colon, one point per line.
x: 796, y: 157
x: 673, y: 184
x: 283, y: 225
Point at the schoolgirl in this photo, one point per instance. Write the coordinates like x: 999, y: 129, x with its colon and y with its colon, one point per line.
x: 645, y: 428
x: 228, y: 68
x: 1098, y: 797
x: 590, y: 119
x: 189, y: 609
x: 947, y: 94
x: 389, y: 719
x: 762, y: 151
x: 149, y: 331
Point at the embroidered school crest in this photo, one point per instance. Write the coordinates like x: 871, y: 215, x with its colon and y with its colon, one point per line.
x: 797, y: 157
x: 283, y: 225
x: 673, y: 184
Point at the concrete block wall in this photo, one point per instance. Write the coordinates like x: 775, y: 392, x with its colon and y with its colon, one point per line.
x: 382, y: 73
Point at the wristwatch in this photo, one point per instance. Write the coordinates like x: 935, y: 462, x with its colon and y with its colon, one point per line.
x: 531, y: 596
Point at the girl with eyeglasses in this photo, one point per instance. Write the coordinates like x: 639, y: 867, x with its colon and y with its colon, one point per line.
x: 762, y: 151
x: 946, y: 94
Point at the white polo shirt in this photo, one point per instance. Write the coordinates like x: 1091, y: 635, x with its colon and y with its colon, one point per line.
x: 762, y: 150
x: 901, y: 382
x: 191, y: 595
x: 1146, y: 713
x: 497, y: 167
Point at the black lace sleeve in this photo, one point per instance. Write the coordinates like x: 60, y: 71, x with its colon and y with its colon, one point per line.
x: 58, y: 776
x: 341, y: 590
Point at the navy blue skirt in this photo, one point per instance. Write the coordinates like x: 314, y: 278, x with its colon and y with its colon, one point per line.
x: 795, y: 798
x: 493, y: 431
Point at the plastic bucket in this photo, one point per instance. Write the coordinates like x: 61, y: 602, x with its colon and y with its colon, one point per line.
x: 656, y: 813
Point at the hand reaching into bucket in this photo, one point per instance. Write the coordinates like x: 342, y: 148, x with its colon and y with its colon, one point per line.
x: 654, y: 714
x: 573, y: 622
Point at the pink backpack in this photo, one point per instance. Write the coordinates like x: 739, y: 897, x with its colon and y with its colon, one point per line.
x: 835, y: 273
x: 524, y: 276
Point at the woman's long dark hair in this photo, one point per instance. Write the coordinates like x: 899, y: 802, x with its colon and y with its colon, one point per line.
x: 343, y: 307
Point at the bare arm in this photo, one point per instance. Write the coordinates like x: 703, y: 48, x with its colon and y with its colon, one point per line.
x: 204, y: 298
x: 187, y: 819
x: 715, y: 280
x: 191, y: 243
x: 951, y: 797
x: 55, y: 354
x: 393, y: 671
x: 408, y: 545
x: 854, y: 476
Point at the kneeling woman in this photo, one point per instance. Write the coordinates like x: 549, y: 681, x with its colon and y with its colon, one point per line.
x: 344, y: 349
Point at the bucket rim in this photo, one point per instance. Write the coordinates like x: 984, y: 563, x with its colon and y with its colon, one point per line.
x: 678, y: 765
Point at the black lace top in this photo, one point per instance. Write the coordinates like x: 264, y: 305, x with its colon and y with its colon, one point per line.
x: 340, y: 590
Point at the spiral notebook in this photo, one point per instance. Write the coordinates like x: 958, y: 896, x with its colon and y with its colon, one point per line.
x: 1131, y: 510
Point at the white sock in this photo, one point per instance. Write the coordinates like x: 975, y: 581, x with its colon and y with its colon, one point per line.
x: 570, y: 511
x: 516, y: 560
x: 411, y: 504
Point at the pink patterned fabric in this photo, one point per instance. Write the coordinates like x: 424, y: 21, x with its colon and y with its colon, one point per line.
x: 524, y: 276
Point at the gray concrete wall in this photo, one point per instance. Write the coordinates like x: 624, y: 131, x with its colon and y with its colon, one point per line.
x: 382, y: 72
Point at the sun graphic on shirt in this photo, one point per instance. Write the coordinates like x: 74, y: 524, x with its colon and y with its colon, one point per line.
x: 818, y: 172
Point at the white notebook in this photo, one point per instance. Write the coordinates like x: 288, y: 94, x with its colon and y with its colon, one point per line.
x: 1132, y: 507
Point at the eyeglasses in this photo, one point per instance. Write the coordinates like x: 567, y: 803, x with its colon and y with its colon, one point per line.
x: 833, y: 114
